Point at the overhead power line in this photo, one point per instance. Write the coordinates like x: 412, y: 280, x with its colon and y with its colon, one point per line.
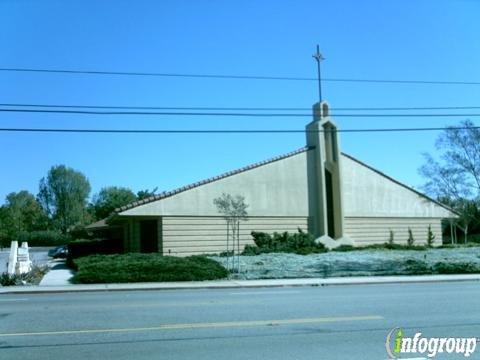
x: 207, y: 108
x: 212, y: 131
x: 223, y: 114
x: 238, y: 77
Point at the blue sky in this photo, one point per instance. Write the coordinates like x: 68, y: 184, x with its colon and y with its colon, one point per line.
x: 406, y: 40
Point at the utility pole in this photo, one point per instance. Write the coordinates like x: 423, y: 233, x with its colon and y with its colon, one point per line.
x: 318, y: 57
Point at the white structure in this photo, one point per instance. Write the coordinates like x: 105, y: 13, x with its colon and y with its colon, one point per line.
x: 317, y: 188
x: 12, y: 258
x: 19, y: 260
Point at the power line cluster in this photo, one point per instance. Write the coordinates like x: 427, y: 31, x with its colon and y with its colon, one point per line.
x: 22, y: 105
x: 207, y: 111
x: 236, y: 77
x: 241, y: 131
x: 224, y: 114
x: 280, y: 112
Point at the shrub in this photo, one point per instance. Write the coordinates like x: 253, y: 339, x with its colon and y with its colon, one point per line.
x: 145, y: 268
x: 84, y: 247
x: 404, y: 247
x: 31, y: 278
x: 299, y: 243
x: 391, y: 237
x: 250, y: 250
x: 456, y: 268
x: 474, y: 238
x: 417, y: 267
x: 345, y: 248
x: 384, y: 246
x: 410, y: 239
x: 43, y: 238
x: 430, y: 236
x: 8, y: 280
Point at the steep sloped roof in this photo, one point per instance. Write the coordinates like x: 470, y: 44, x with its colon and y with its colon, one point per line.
x: 167, y: 194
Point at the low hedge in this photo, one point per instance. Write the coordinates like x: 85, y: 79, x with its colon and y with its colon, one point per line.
x: 86, y: 247
x: 300, y: 243
x: 128, y: 268
x: 384, y: 246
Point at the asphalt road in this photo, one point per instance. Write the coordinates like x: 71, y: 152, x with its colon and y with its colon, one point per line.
x: 344, y: 322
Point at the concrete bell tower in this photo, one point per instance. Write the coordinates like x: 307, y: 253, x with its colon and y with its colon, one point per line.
x: 324, y: 171
x: 324, y: 175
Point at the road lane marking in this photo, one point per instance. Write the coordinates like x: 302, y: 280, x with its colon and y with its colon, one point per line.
x: 6, y: 300
x: 211, y: 325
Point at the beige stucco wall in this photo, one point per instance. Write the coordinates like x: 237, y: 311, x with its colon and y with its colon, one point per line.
x: 184, y: 236
x: 367, y: 193
x: 366, y: 231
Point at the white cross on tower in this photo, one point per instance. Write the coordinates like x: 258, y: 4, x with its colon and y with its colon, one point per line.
x: 317, y: 56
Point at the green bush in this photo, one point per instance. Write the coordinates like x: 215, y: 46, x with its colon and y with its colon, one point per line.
x: 417, y: 267
x: 299, y: 243
x: 458, y: 246
x: 384, y: 246
x: 474, y: 238
x: 430, y: 236
x: 345, y: 248
x: 391, y: 237
x: 421, y: 267
x: 145, y: 268
x: 43, y: 238
x: 8, y: 280
x: 410, y: 239
x: 456, y: 268
x: 85, y: 247
x: 31, y: 278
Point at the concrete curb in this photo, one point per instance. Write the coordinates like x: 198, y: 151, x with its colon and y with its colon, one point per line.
x: 231, y: 284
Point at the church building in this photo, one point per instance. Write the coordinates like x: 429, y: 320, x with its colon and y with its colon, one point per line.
x: 317, y: 188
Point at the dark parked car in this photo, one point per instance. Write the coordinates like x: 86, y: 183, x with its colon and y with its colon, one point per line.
x: 59, y: 252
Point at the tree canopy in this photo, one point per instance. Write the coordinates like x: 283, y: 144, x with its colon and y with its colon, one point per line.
x: 110, y: 198
x: 454, y: 179
x: 63, y: 195
x: 457, y: 174
x: 143, y: 194
x: 21, y: 213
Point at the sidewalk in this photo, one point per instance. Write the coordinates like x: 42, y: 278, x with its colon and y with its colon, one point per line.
x: 59, y: 275
x: 228, y: 284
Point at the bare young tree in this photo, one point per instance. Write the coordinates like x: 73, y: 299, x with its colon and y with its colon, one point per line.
x: 234, y: 210
x: 457, y: 175
x: 455, y: 179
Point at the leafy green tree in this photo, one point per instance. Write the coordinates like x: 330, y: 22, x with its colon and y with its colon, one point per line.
x: 22, y: 213
x: 143, y: 194
x: 63, y: 195
x: 110, y: 198
x: 4, y: 238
